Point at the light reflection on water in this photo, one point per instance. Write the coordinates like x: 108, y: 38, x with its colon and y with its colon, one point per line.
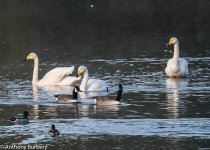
x: 175, y: 103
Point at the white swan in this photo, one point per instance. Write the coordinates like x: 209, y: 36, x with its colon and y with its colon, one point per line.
x: 90, y: 84
x: 57, y: 76
x: 176, y: 67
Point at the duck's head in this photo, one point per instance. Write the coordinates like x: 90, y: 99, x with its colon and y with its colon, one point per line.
x: 31, y: 56
x: 26, y: 114
x: 81, y: 70
x: 53, y: 127
x: 172, y: 41
x: 53, y: 132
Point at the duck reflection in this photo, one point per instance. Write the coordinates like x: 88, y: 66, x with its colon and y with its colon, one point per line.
x: 174, y: 86
x: 85, y: 111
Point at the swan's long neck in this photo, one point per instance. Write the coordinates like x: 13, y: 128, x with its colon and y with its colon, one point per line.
x: 176, y: 51
x: 35, y: 73
x: 84, y: 81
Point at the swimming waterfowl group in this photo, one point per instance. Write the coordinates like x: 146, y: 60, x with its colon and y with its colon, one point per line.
x: 97, y: 100
x: 176, y: 68
x: 24, y: 120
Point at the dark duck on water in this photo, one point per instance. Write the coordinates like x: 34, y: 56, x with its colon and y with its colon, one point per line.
x: 53, y: 132
x: 20, y: 120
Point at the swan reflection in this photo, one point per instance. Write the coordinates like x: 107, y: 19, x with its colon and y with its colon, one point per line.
x: 174, y: 86
x: 46, y: 91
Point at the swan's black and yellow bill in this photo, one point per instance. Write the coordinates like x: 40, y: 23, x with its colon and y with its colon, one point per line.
x: 169, y: 43
x: 27, y: 58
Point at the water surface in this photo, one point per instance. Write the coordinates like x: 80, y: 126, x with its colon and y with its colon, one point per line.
x: 119, y: 42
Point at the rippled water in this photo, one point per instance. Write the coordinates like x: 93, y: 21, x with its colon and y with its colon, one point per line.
x: 173, y: 128
x: 128, y: 48
x: 153, y: 106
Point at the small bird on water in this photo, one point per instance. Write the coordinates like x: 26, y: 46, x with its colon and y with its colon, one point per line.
x: 22, y: 120
x: 53, y: 132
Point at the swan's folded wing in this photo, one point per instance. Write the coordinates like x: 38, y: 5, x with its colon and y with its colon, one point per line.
x: 69, y: 80
x: 59, y: 73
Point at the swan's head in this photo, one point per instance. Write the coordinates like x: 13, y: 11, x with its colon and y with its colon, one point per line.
x: 81, y: 70
x: 173, y: 40
x: 31, y: 56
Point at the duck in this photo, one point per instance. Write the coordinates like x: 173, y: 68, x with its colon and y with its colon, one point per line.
x: 53, y: 132
x: 176, y: 67
x: 56, y: 76
x: 65, y: 98
x: 23, y: 120
x: 92, y: 85
x: 105, y: 101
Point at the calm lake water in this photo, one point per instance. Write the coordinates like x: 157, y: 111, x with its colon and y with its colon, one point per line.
x: 119, y: 42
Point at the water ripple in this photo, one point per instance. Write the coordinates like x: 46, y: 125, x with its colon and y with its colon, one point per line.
x: 37, y: 129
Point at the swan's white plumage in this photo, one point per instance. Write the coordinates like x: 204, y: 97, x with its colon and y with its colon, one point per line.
x: 90, y: 84
x: 176, y: 67
x: 96, y: 85
x: 57, y: 76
